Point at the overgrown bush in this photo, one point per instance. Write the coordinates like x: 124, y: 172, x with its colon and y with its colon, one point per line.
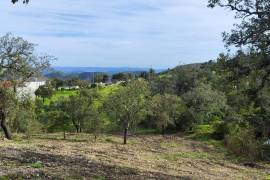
x: 23, y: 119
x: 242, y: 142
x: 221, y: 130
x: 202, y: 132
x: 185, y: 122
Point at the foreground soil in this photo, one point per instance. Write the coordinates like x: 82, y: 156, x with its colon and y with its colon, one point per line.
x: 144, y: 157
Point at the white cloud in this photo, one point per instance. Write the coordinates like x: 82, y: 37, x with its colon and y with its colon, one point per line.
x: 141, y: 33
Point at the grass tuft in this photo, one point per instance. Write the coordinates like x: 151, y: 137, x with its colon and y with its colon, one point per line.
x: 190, y: 155
x: 169, y: 145
x: 37, y: 165
x: 98, y: 177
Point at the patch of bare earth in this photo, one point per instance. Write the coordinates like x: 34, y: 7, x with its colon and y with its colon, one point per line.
x: 145, y: 157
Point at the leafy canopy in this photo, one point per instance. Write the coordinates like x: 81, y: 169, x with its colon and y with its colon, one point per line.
x: 24, y: 1
x: 254, y: 28
x: 18, y: 60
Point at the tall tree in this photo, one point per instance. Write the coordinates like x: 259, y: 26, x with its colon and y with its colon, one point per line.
x: 7, y: 103
x: 253, y: 31
x: 18, y: 63
x: 127, y: 103
x: 79, y: 108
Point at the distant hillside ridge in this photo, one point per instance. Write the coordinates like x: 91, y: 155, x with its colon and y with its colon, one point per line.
x: 107, y: 70
x: 87, y: 73
x: 184, y: 66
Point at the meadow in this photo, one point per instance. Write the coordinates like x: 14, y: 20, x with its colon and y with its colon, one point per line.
x: 103, y: 93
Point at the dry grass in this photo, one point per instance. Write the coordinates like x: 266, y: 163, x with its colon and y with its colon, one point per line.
x: 144, y: 157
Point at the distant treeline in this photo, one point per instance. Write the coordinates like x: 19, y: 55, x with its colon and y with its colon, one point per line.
x: 96, y: 77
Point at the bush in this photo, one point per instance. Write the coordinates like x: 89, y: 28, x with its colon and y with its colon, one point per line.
x: 221, y: 130
x: 185, y: 122
x: 202, y: 132
x: 243, y: 143
x: 266, y: 152
x: 24, y: 118
x: 93, y: 86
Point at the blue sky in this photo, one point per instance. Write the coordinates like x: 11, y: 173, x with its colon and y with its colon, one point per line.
x: 126, y: 33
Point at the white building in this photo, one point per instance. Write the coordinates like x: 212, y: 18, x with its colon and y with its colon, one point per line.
x: 30, y: 87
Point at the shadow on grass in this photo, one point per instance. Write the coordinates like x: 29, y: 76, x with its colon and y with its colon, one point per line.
x: 78, y: 167
x: 69, y: 138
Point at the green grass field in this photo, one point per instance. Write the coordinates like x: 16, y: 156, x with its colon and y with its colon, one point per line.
x: 60, y: 94
x: 65, y: 93
x: 103, y: 93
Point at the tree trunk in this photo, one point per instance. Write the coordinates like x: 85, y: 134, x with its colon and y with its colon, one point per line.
x: 77, y: 128
x: 75, y: 125
x: 64, y: 134
x: 4, y: 126
x: 15, y: 88
x: 125, y: 135
x: 126, y: 132
x: 163, y: 130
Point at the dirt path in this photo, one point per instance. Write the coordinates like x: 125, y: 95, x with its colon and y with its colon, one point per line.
x: 145, y: 157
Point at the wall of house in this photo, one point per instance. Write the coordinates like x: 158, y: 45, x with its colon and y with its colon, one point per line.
x: 30, y: 88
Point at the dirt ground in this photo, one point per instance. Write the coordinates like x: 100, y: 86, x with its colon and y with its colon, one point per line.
x: 144, y: 157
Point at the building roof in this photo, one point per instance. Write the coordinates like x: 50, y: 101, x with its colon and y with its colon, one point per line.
x: 6, y: 84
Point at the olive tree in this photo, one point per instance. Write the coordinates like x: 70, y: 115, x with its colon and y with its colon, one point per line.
x: 18, y: 60
x: 126, y: 104
x: 18, y: 63
x: 23, y: 117
x: 80, y: 108
x: 165, y: 109
x: 205, y: 103
x: 7, y: 104
x: 44, y: 91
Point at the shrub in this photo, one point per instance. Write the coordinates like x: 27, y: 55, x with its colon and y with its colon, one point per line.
x: 185, y: 122
x: 221, y: 130
x: 37, y: 165
x: 24, y: 119
x: 202, y: 132
x: 266, y: 152
x: 242, y: 142
x: 93, y: 86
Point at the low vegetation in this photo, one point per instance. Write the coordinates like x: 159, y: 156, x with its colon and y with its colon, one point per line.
x: 80, y: 155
